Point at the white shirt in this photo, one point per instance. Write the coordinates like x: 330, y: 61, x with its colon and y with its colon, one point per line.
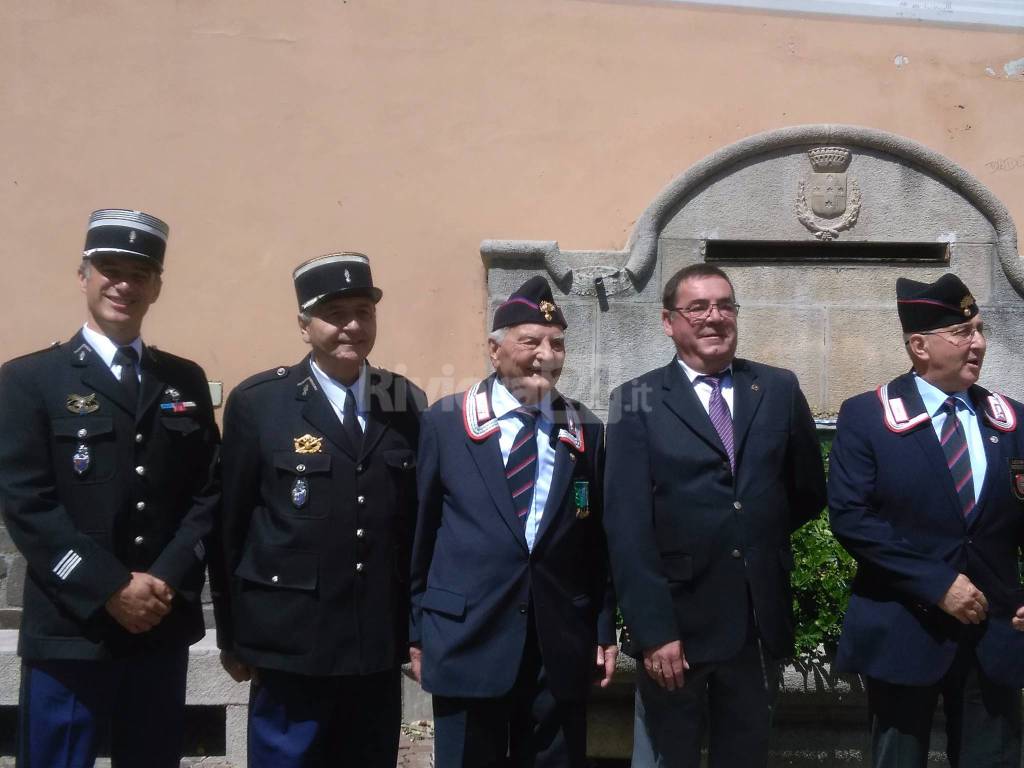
x: 933, y: 398
x: 106, y: 349
x: 336, y: 393
x: 704, y: 389
x: 504, y: 405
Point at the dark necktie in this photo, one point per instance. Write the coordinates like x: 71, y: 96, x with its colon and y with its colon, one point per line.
x: 350, y: 421
x: 521, y: 467
x: 721, y: 419
x: 128, y: 359
x: 958, y: 458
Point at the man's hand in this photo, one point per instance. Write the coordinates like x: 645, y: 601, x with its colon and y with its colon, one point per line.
x: 416, y: 660
x: 606, y: 659
x: 965, y: 602
x: 665, y: 664
x: 1018, y: 619
x: 140, y: 604
x: 239, y: 670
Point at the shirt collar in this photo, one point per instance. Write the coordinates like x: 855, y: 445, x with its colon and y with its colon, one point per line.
x: 692, y: 374
x: 336, y: 391
x: 106, y: 348
x: 933, y: 397
x: 504, y: 402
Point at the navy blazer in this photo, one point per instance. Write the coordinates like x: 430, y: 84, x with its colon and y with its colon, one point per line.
x: 473, y: 578
x: 691, y: 543
x: 895, y: 509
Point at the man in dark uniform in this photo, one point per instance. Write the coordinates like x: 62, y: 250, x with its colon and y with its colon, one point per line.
x: 319, y: 465
x: 512, y: 614
x: 713, y: 461
x: 926, y: 491
x: 107, y: 448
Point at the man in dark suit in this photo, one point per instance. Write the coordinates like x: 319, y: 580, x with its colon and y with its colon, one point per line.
x: 107, y: 448
x: 926, y: 491
x: 312, y: 597
x: 512, y: 616
x: 713, y: 461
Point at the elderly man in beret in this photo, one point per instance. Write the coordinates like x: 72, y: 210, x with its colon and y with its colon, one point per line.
x: 512, y: 616
x: 107, y: 483
x: 926, y: 491
x: 312, y: 596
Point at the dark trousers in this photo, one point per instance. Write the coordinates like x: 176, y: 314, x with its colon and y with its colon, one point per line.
x: 729, y: 700
x: 527, y: 728
x: 68, y: 709
x: 297, y: 721
x: 982, y: 720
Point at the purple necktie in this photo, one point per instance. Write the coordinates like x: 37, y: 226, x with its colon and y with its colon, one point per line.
x: 958, y: 458
x: 720, y: 416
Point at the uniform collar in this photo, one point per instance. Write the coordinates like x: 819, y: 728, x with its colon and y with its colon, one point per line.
x: 934, y: 398
x: 336, y: 392
x: 504, y: 402
x: 106, y: 348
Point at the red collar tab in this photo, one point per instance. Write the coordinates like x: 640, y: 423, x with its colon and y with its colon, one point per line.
x: 999, y: 413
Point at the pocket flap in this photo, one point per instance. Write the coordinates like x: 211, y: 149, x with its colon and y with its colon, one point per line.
x: 279, y: 567
x: 83, y: 428
x: 402, y: 458
x: 182, y: 424
x: 302, y: 463
x: 443, y: 601
x: 677, y: 567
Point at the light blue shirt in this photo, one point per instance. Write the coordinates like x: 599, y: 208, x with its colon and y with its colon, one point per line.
x: 106, y: 349
x: 336, y: 392
x: 933, y: 398
x: 504, y: 404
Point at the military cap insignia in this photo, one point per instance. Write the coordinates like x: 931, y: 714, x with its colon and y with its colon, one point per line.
x: 309, y: 444
x: 133, y: 236
x: 965, y: 304
x: 348, y: 276
x: 547, y: 309
x: 81, y: 404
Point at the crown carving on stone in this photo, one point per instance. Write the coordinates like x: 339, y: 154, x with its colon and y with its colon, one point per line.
x: 829, y: 159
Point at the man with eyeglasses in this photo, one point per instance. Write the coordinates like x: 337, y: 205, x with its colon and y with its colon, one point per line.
x: 311, y: 587
x: 926, y: 491
x: 108, y: 487
x: 713, y: 461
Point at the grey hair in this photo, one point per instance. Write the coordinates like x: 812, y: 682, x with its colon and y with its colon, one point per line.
x: 85, y: 268
x: 498, y: 336
x: 305, y: 317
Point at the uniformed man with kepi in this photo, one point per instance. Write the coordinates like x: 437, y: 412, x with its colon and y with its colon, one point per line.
x: 319, y: 465
x: 107, y: 449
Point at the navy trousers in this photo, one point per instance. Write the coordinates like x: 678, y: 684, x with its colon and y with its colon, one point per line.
x: 68, y: 710
x: 297, y: 721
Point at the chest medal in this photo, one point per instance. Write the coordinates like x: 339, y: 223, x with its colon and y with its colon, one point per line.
x: 581, y: 492
x: 300, y: 492
x: 81, y: 459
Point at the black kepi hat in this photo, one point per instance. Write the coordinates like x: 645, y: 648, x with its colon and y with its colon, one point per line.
x: 334, y: 274
x: 927, y: 306
x: 532, y: 302
x: 122, y: 232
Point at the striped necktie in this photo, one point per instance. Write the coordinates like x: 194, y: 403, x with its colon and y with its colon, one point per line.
x: 521, y: 467
x: 958, y: 458
x: 721, y: 419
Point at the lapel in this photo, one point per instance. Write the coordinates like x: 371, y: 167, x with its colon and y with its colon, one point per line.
x: 903, y: 390
x: 991, y: 439
x: 317, y: 409
x: 154, y: 379
x: 96, y: 375
x: 376, y: 418
x: 747, y: 394
x: 680, y: 398
x: 561, y: 475
x: 482, y: 432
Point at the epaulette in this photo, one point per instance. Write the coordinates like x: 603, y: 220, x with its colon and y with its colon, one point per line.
x: 273, y: 374
x: 53, y: 347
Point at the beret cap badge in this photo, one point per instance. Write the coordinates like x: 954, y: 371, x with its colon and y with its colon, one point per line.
x: 547, y: 309
x: 965, y: 304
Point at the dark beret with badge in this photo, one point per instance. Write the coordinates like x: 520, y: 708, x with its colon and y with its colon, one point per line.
x: 927, y: 306
x: 532, y: 302
x: 122, y: 232
x: 335, y: 274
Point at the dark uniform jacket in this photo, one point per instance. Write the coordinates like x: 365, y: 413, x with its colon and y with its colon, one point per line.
x: 695, y: 549
x: 473, y: 577
x: 317, y: 531
x: 894, y: 506
x: 93, y: 488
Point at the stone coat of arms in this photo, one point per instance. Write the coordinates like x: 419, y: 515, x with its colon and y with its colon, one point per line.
x: 828, y: 194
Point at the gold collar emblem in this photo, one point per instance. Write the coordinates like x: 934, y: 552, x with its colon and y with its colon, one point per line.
x: 965, y: 304
x: 547, y: 309
x: 82, y: 403
x: 309, y: 444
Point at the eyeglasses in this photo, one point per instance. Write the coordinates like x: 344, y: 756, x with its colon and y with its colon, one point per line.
x: 958, y: 336
x: 700, y: 311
